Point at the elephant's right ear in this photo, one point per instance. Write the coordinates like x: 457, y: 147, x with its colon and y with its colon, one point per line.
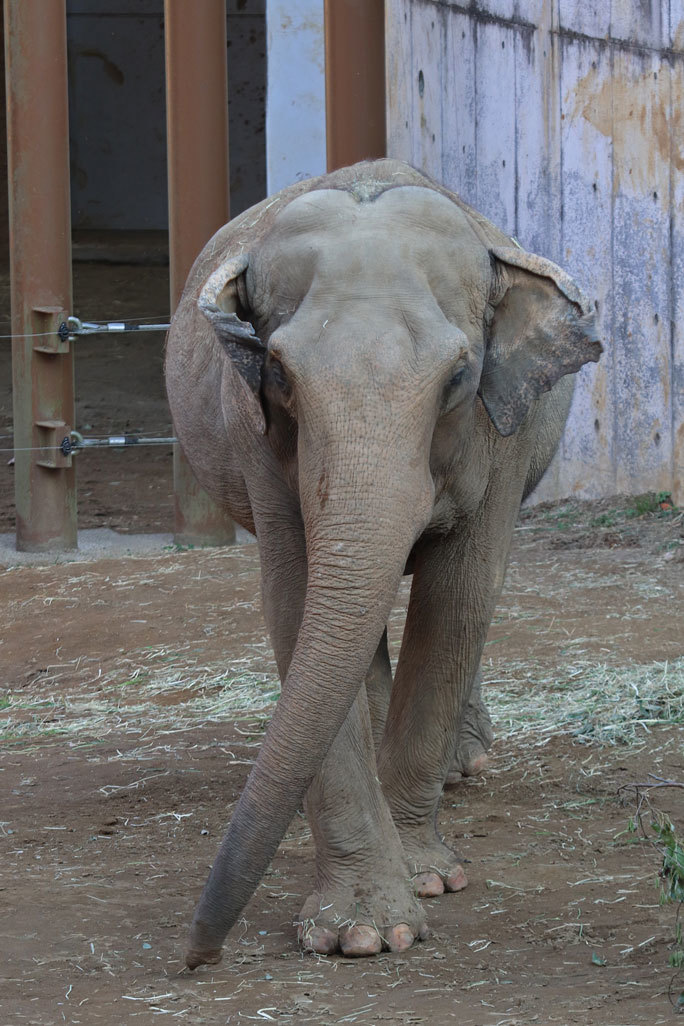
x: 542, y: 328
x: 223, y: 301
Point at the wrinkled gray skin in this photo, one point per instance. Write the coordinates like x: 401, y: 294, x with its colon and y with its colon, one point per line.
x: 359, y: 370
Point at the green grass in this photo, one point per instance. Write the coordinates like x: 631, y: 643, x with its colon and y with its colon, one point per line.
x: 664, y: 837
x: 648, y: 502
x: 571, y: 515
x: 563, y: 518
x: 605, y: 520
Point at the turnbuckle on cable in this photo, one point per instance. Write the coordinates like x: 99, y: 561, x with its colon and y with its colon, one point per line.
x: 75, y: 441
x: 75, y: 327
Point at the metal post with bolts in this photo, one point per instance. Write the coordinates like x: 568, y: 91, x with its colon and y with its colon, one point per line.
x: 40, y: 271
x: 354, y: 81
x: 199, y: 198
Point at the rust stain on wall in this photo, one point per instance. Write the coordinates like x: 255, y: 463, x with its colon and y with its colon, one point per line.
x: 678, y: 43
x: 678, y: 484
x: 637, y: 113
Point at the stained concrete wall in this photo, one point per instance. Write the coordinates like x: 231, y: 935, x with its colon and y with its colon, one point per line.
x: 561, y: 120
x: 295, y: 111
x: 117, y: 110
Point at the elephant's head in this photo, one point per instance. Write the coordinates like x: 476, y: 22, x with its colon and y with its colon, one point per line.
x: 347, y: 284
x: 357, y: 324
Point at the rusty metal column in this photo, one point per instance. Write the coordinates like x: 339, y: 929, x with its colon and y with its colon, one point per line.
x: 40, y: 269
x: 354, y: 81
x: 199, y: 198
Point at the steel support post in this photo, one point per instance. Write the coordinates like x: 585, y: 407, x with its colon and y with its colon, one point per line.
x: 354, y: 81
x: 40, y: 270
x: 199, y: 197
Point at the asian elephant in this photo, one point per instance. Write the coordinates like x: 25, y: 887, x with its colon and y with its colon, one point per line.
x: 370, y: 377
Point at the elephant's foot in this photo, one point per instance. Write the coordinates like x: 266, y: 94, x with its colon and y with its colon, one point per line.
x: 468, y: 762
x: 474, y: 741
x: 356, y: 924
x: 435, y: 868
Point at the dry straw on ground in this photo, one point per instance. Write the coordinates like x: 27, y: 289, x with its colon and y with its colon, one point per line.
x: 155, y: 694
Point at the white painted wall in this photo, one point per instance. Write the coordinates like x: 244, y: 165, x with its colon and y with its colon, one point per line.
x: 295, y: 105
x: 561, y: 120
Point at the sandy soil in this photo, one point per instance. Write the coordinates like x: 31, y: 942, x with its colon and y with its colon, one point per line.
x: 136, y: 691
x: 133, y: 696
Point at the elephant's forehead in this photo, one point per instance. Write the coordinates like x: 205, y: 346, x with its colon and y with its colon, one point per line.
x: 403, y: 239
x: 335, y: 212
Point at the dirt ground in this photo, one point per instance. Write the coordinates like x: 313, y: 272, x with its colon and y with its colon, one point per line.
x: 133, y: 695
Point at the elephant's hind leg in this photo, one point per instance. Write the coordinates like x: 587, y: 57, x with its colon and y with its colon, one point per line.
x: 379, y: 689
x: 362, y: 902
x: 475, y: 738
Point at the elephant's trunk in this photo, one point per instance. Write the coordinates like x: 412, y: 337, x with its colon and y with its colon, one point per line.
x: 356, y: 558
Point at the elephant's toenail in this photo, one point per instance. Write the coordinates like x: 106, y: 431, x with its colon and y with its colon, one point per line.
x: 317, y: 939
x: 400, y: 937
x: 360, y: 941
x: 477, y: 765
x: 457, y: 880
x: 428, y: 885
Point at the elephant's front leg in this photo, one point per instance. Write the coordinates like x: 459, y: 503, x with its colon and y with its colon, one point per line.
x: 363, y: 900
x: 456, y: 583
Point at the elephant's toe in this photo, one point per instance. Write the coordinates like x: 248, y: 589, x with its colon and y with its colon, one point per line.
x: 358, y: 926
x: 317, y: 939
x: 360, y: 941
x: 428, y: 885
x: 435, y: 868
x: 400, y: 937
x: 466, y: 764
x: 477, y: 764
x: 455, y: 880
x: 431, y: 884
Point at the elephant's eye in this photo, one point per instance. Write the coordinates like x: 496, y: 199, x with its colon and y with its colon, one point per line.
x: 452, y: 389
x: 277, y: 376
x: 456, y: 378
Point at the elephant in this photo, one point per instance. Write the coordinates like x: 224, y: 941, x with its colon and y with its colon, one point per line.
x: 370, y: 377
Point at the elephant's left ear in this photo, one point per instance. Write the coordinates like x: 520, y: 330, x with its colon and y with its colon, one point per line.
x: 223, y: 300
x: 541, y: 328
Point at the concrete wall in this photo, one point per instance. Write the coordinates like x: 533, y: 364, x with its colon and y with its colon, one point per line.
x: 117, y: 110
x: 247, y: 102
x: 295, y: 115
x: 561, y: 120
x: 116, y: 113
